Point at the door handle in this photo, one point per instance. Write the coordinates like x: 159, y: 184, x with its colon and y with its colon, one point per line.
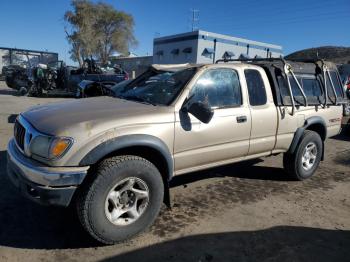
x: 241, y: 119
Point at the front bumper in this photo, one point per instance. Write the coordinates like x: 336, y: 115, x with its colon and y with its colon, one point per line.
x: 43, y: 184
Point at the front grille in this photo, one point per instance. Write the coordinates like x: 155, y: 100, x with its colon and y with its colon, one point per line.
x: 19, y: 134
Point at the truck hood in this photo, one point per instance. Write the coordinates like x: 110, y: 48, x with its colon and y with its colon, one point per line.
x: 84, y: 115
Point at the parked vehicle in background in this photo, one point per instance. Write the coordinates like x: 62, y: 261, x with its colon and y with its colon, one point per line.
x: 114, y: 157
x: 58, y: 79
x: 347, y: 86
x: 347, y: 92
x: 95, y: 76
x: 16, y: 76
x: 7, y: 72
x: 344, y: 71
x: 88, y: 88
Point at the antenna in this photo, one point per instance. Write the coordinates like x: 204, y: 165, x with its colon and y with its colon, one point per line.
x: 195, y: 19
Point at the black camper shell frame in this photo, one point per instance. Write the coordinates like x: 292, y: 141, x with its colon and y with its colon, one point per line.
x: 281, y: 72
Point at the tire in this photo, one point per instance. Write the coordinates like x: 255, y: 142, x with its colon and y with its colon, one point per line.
x: 32, y: 92
x: 22, y: 91
x: 35, y: 91
x: 9, y: 85
x: 95, y: 205
x: 293, y: 163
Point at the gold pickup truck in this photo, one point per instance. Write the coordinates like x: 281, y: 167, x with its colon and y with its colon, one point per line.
x: 113, y: 157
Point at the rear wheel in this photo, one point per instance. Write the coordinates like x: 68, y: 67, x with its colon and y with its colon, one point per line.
x: 122, y: 200
x: 303, y: 163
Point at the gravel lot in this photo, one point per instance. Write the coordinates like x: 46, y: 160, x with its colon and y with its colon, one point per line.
x: 242, y: 212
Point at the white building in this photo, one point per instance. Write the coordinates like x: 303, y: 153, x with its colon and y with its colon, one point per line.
x: 204, y: 47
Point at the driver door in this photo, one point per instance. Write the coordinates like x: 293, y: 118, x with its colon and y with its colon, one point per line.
x: 226, y: 136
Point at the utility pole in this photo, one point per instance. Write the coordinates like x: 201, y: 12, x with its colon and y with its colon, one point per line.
x: 195, y: 19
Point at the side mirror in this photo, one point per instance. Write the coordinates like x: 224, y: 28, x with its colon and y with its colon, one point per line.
x: 201, y: 111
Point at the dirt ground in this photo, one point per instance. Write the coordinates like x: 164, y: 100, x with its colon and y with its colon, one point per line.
x: 241, y: 212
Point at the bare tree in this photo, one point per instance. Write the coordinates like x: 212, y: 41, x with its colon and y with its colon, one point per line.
x: 75, y: 52
x: 97, y: 30
x: 115, y: 31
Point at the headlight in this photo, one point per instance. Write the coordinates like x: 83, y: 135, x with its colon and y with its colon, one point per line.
x: 50, y: 147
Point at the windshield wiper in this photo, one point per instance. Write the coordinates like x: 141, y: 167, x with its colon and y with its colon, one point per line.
x: 138, y: 99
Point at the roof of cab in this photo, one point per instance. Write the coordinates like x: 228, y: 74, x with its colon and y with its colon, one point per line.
x: 298, y: 66
x: 177, y: 67
x: 174, y: 67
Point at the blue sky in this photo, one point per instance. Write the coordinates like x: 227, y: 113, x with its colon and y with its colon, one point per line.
x: 297, y: 24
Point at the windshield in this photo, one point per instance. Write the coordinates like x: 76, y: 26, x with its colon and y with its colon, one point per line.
x: 156, y: 88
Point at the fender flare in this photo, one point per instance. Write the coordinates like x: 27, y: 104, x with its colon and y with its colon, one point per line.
x: 118, y: 143
x: 299, y: 132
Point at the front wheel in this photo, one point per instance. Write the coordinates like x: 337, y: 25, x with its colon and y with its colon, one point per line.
x: 35, y: 91
x: 123, y: 199
x: 303, y: 163
x: 22, y: 91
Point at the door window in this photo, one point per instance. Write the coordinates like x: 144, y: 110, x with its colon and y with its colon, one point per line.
x: 219, y: 88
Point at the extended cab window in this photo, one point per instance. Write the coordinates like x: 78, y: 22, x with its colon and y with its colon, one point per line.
x: 256, y: 87
x: 218, y: 88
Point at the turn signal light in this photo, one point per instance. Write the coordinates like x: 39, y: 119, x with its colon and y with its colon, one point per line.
x: 59, y: 146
